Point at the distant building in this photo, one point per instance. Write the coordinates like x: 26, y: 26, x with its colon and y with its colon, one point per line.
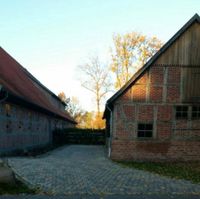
x: 29, y: 112
x: 156, y: 115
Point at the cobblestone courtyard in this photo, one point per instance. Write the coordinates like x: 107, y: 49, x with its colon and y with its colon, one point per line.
x: 79, y: 169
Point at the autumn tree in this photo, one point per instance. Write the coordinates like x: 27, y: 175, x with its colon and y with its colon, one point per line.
x: 87, y: 120
x: 98, y: 122
x: 130, y: 52
x: 84, y: 119
x: 92, y: 121
x: 96, y: 79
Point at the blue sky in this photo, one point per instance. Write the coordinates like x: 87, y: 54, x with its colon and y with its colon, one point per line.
x: 52, y: 37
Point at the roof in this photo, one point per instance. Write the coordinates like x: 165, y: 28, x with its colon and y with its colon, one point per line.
x: 110, y: 101
x: 22, y: 84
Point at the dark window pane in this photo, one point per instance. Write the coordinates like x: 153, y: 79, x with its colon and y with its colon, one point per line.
x: 149, y: 127
x: 185, y: 108
x: 184, y: 115
x: 194, y: 114
x: 181, y: 112
x: 148, y: 134
x: 141, y: 127
x: 194, y: 108
x: 140, y: 133
x: 178, y: 114
x: 145, y: 130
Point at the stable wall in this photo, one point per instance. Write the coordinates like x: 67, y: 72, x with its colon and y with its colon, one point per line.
x: 23, y: 128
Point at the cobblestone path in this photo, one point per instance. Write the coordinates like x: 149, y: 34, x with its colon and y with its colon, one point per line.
x: 79, y: 169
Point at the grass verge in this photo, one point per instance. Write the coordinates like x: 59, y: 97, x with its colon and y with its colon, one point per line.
x: 187, y: 171
x: 16, y: 188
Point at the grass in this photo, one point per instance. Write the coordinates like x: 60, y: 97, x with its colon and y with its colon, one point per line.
x: 188, y: 171
x: 14, y: 189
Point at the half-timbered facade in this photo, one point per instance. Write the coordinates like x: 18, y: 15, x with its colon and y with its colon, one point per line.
x: 156, y: 115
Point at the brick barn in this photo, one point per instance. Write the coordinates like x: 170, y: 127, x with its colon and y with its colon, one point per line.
x: 156, y: 115
x: 29, y: 112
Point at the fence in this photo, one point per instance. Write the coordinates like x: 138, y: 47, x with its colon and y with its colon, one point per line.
x: 79, y: 136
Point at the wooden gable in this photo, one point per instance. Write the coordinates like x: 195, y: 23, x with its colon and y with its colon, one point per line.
x: 185, y: 53
x: 185, y: 50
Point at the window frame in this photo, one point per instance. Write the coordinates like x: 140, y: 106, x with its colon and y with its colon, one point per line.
x: 145, y: 130
x: 197, y: 112
x: 182, y: 114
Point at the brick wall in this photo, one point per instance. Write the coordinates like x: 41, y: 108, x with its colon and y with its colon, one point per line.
x: 155, y: 150
x: 152, y: 99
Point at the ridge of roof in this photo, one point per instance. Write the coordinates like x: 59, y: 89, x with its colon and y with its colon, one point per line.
x: 13, y: 75
x: 195, y: 18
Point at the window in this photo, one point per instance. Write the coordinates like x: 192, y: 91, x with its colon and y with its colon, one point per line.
x: 196, y: 112
x: 145, y: 130
x: 181, y: 112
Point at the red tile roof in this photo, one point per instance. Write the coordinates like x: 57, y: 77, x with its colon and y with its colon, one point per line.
x: 19, y: 82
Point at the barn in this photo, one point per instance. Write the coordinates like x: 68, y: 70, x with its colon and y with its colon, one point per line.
x: 155, y: 116
x: 29, y: 112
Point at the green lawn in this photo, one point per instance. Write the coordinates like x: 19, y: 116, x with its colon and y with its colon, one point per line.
x: 188, y: 171
x: 16, y: 188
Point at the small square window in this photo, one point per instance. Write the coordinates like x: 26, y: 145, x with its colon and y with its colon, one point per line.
x: 196, y: 112
x: 145, y: 130
x: 181, y: 112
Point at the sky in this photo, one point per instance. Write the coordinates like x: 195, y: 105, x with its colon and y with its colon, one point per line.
x: 51, y: 38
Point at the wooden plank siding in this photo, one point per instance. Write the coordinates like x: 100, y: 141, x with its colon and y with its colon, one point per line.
x: 191, y: 84
x: 185, y: 51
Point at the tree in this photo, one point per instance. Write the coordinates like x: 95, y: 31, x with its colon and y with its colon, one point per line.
x: 87, y: 120
x: 96, y: 79
x: 131, y: 51
x: 98, y: 123
x: 63, y: 97
x: 83, y: 118
x: 72, y: 106
x: 92, y: 121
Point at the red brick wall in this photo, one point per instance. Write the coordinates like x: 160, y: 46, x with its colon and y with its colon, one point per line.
x: 155, y: 150
x: 152, y: 98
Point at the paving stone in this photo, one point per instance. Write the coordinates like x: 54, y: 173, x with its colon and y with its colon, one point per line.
x: 79, y: 169
x: 136, y: 196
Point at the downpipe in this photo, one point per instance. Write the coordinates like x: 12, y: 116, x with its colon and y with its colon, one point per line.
x: 109, y: 142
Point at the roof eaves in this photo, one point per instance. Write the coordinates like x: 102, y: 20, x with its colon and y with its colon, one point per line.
x: 33, y: 105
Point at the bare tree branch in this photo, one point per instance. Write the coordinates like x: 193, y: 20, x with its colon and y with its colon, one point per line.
x: 96, y: 79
